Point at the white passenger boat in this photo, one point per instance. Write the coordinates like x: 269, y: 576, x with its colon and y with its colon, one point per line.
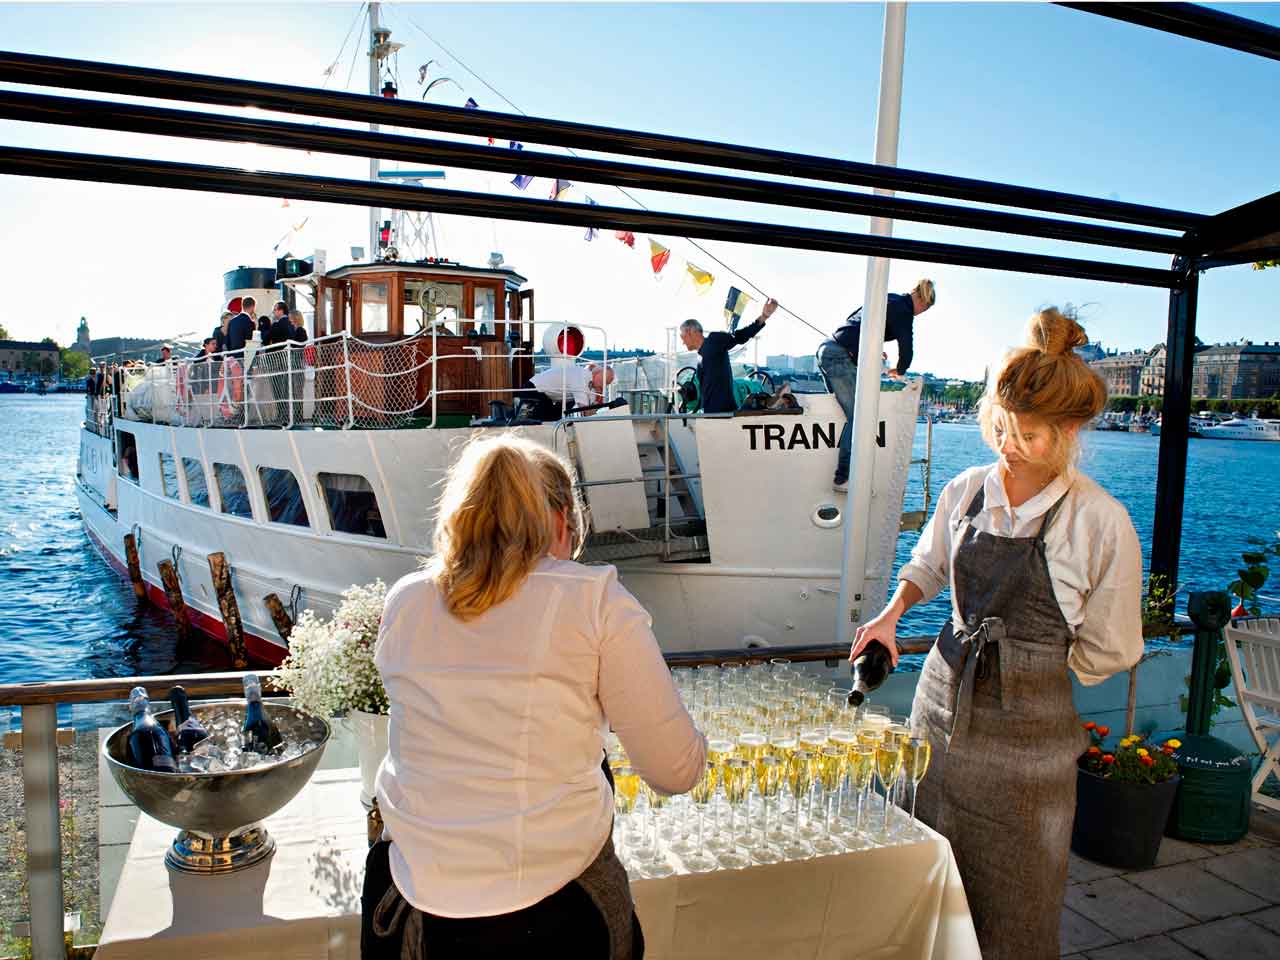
x: 1242, y: 428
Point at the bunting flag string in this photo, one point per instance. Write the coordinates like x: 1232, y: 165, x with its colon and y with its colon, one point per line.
x: 735, y: 305
x: 471, y: 105
x: 560, y: 188
x: 592, y: 232
x: 522, y: 180
x: 627, y: 237
x: 702, y: 280
x: 658, y: 256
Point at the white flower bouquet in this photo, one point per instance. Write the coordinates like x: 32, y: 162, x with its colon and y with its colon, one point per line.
x: 329, y: 670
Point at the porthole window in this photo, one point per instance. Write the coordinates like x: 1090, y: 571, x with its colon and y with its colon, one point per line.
x: 169, y: 476
x: 284, y: 497
x: 197, y: 488
x: 232, y: 490
x: 352, y: 505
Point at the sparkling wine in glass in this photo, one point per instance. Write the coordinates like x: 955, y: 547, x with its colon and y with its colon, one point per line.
x: 888, y: 766
x: 736, y: 775
x: 915, y: 758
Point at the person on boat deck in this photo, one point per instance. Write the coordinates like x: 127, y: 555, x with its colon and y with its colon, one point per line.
x: 220, y: 331
x: 166, y: 353
x: 241, y: 326
x: 280, y: 329
x: 497, y: 807
x: 1045, y: 571
x: 715, y: 373
x: 554, y: 387
x: 838, y: 359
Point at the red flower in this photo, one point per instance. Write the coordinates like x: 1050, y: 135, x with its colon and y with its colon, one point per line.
x: 1090, y: 725
x: 1103, y: 731
x: 1147, y: 761
x: 1167, y: 750
x: 1094, y: 751
x: 1108, y: 759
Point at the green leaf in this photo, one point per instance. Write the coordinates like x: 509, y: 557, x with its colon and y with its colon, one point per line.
x: 1254, y: 557
x: 1235, y: 587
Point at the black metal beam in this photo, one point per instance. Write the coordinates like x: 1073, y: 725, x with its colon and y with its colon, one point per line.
x: 1251, y: 226
x: 1194, y: 21
x: 226, y: 91
x: 111, y: 115
x: 1175, y: 422
x: 185, y: 176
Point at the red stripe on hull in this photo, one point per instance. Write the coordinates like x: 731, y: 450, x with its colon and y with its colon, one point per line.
x: 262, y: 652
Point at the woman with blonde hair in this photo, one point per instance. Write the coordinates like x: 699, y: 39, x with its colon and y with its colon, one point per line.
x: 505, y: 662
x: 1045, y: 571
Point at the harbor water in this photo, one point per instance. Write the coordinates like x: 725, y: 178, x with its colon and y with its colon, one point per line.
x: 65, y: 614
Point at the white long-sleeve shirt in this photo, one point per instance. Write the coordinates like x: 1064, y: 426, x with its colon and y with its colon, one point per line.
x: 492, y: 789
x: 1095, y: 561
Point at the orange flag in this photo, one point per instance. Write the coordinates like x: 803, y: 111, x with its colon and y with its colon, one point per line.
x: 658, y: 256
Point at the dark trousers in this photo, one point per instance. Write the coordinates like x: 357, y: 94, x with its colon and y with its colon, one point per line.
x: 565, y: 924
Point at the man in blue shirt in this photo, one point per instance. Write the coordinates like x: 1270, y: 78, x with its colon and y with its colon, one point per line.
x: 838, y: 359
x: 715, y: 374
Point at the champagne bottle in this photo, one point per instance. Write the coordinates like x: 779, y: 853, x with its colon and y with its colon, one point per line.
x: 870, y: 670
x: 190, y: 731
x: 258, y: 733
x: 149, y: 746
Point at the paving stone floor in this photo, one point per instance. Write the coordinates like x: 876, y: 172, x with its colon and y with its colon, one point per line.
x: 1199, y: 902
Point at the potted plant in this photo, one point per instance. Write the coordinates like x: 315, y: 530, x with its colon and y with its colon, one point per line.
x: 1123, y: 799
x: 330, y: 672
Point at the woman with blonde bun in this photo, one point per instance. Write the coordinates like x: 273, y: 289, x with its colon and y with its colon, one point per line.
x: 1045, y: 571
x: 505, y: 662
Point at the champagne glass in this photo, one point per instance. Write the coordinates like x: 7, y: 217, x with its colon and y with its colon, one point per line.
x: 888, y: 766
x: 655, y: 866
x: 813, y: 741
x: 626, y: 785
x: 768, y: 771
x: 702, y: 794
x: 751, y: 745
x: 830, y: 770
x: 846, y: 741
x: 719, y: 752
x: 799, y: 777
x: 916, y: 755
x: 862, y: 761
x: 736, y: 777
x: 901, y: 732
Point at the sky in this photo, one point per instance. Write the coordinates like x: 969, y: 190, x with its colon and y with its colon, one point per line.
x: 1022, y: 93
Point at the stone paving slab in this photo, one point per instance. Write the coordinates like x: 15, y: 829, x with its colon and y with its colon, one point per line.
x: 1077, y: 933
x: 1234, y: 938
x: 1173, y: 850
x: 1191, y: 888
x: 1269, y: 918
x: 1152, y: 948
x: 1080, y: 870
x: 1125, y: 911
x: 1256, y: 870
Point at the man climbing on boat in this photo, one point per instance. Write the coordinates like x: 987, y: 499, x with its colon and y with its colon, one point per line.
x: 838, y: 359
x: 715, y: 374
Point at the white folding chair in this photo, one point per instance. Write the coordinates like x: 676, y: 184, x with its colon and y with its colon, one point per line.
x: 1253, y: 648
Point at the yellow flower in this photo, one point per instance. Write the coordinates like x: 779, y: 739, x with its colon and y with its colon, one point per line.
x: 1173, y: 743
x: 1142, y: 752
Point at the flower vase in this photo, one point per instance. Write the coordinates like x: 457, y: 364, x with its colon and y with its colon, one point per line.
x: 371, y: 746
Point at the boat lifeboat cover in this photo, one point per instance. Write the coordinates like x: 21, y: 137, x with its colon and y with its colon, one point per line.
x: 563, y: 340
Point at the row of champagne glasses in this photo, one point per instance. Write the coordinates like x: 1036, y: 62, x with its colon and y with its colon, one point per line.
x: 792, y: 764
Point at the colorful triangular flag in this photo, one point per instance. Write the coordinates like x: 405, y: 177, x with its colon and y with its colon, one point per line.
x: 702, y: 280
x: 592, y: 232
x: 559, y: 188
x: 734, y: 307
x: 522, y: 180
x: 658, y: 256
x: 627, y: 237
x: 471, y: 104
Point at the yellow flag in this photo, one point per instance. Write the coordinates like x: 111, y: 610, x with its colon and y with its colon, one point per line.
x: 702, y: 280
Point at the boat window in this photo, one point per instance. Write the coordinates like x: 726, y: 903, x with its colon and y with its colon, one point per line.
x: 373, y: 308
x: 127, y: 459
x: 169, y: 476
x: 483, y: 312
x: 197, y: 488
x: 443, y: 301
x: 284, y: 498
x: 232, y: 490
x: 352, y: 506
x: 329, y: 323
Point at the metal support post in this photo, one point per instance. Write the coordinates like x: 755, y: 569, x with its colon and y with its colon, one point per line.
x: 288, y: 363
x: 346, y: 376
x: 866, y: 411
x: 374, y: 64
x: 1171, y: 474
x: 44, y: 840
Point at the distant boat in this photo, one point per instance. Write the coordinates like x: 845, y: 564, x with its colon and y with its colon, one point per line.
x: 1243, y: 428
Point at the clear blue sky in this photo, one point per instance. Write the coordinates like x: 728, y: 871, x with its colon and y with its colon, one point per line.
x: 1023, y: 93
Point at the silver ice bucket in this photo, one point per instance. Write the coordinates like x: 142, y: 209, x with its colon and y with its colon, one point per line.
x: 219, y: 814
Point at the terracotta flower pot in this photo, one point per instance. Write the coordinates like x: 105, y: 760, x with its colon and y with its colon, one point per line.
x: 1119, y: 823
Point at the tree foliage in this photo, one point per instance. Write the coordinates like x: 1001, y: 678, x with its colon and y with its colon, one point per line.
x: 75, y: 365
x: 4, y: 332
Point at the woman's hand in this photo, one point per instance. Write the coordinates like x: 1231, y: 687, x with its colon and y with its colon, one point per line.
x: 883, y: 630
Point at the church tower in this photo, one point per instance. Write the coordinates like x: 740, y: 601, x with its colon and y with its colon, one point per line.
x: 82, y: 338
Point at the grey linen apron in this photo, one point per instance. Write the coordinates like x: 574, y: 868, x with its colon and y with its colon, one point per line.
x: 994, y: 700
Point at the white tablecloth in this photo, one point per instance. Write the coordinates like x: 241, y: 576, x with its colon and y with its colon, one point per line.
x: 304, y: 902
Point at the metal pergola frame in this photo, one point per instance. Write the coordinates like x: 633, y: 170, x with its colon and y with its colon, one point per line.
x: 1195, y: 242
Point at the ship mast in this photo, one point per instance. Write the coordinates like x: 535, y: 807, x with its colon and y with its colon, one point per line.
x: 378, y: 37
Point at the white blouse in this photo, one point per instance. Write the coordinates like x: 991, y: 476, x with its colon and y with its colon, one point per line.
x: 1095, y: 560
x: 492, y: 789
